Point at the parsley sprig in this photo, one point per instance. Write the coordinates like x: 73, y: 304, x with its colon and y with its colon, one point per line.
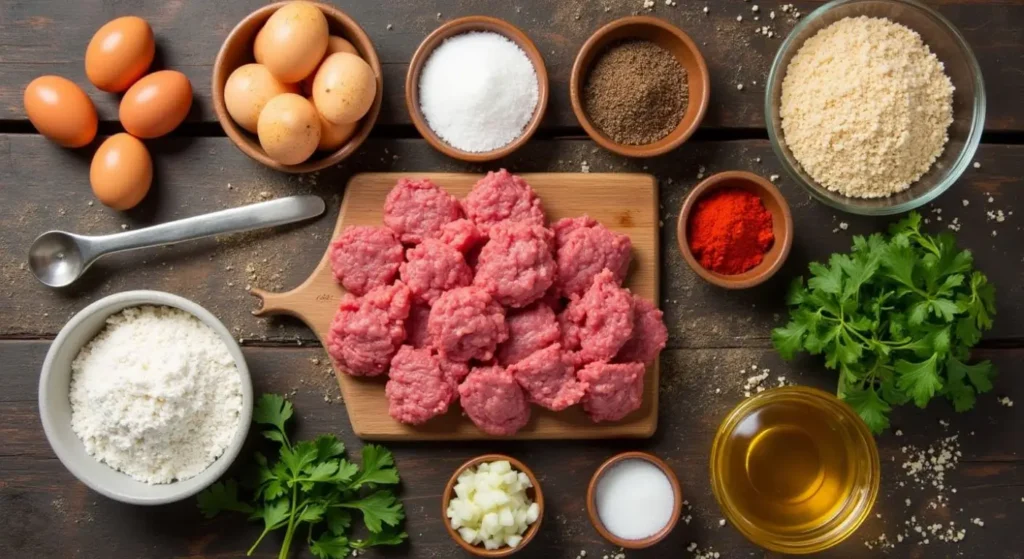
x: 312, y: 486
x: 897, y: 317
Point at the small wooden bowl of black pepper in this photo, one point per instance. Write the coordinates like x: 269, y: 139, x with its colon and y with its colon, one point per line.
x: 640, y: 86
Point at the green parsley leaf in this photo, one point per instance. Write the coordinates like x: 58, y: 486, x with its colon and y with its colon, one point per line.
x: 338, y: 521
x: 385, y: 537
x: 299, y: 458
x: 274, y: 514
x: 330, y: 546
x: 220, y: 497
x: 870, y: 406
x: 789, y: 339
x: 328, y: 446
x: 272, y: 409
x: 377, y: 508
x: 919, y: 380
x: 980, y: 374
x: 377, y: 467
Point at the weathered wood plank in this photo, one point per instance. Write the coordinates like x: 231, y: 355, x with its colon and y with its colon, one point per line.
x: 46, y: 187
x: 50, y: 36
x: 698, y: 388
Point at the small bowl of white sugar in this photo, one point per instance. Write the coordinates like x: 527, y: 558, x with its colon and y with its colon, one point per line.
x: 477, y: 88
x: 145, y: 397
x: 634, y: 500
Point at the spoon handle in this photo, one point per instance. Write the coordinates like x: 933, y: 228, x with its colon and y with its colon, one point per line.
x: 235, y: 220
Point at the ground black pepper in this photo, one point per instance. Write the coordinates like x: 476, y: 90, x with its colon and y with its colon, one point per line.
x: 636, y: 93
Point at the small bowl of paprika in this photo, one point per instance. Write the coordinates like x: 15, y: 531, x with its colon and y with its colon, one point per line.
x: 735, y: 229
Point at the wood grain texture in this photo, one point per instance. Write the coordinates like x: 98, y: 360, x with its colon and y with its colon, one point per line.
x: 50, y: 36
x: 698, y: 387
x: 46, y: 187
x: 625, y: 203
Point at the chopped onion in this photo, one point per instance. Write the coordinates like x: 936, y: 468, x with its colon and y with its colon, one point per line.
x: 490, y: 506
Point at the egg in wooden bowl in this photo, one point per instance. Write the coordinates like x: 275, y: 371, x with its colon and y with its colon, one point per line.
x: 318, y: 73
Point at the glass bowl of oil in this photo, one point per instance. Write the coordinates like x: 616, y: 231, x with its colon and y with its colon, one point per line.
x: 795, y: 469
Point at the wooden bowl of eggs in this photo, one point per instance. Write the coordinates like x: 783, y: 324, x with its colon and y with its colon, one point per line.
x: 297, y: 86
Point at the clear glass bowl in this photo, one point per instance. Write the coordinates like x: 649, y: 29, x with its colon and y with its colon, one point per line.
x: 968, y: 101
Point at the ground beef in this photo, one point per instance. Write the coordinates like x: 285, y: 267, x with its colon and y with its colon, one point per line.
x: 583, y: 248
x: 549, y: 379
x: 466, y: 323
x: 463, y: 235
x: 612, y: 390
x: 417, y: 209
x: 433, y: 268
x: 649, y: 334
x: 516, y: 266
x: 367, y: 331
x: 600, y: 322
x: 454, y: 372
x: 366, y: 257
x: 416, y: 333
x: 502, y: 196
x: 418, y: 388
x: 492, y: 398
x: 529, y: 330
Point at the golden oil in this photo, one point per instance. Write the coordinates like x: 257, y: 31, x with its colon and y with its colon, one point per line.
x: 795, y: 469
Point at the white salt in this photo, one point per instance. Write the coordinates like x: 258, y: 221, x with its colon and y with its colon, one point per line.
x: 478, y: 91
x: 634, y: 499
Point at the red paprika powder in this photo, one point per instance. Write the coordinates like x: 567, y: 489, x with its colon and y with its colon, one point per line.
x: 730, y: 231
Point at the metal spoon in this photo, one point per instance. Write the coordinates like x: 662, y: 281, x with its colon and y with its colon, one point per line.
x: 58, y: 258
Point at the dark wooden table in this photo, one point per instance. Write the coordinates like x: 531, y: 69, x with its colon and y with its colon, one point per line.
x: 715, y: 334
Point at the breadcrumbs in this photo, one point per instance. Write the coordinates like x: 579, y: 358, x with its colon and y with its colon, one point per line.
x: 866, y: 107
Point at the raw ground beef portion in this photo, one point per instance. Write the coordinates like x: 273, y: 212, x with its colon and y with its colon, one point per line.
x: 492, y: 398
x: 417, y: 209
x: 649, y: 334
x: 529, y: 330
x: 432, y: 268
x: 549, y: 379
x: 584, y: 247
x: 502, y: 196
x: 600, y: 322
x: 516, y: 266
x: 466, y: 323
x: 418, y: 389
x: 367, y: 331
x: 416, y: 333
x: 613, y: 390
x: 462, y: 234
x: 366, y: 257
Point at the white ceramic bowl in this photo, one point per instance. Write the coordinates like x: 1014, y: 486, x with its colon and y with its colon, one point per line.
x: 55, y: 405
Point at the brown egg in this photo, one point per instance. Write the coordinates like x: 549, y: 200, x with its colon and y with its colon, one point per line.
x: 289, y: 129
x: 119, y: 53
x: 344, y: 88
x: 121, y: 172
x: 61, y: 111
x: 333, y: 136
x: 247, y: 91
x: 156, y: 104
x: 293, y: 41
x: 334, y: 44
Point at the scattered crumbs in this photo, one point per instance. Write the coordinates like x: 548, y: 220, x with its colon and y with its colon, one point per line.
x: 907, y: 502
x: 994, y: 233
x: 706, y: 9
x: 899, y: 432
x: 995, y: 215
x: 124, y: 226
x: 991, y: 199
x: 739, y: 86
x: 843, y: 225
x: 771, y: 14
x: 389, y: 27
x: 90, y: 203
x: 1006, y: 401
x: 648, y: 4
x: 978, y: 522
x: 757, y: 159
x: 955, y: 224
x: 754, y: 8
x: 977, y: 165
x: 739, y: 18
x: 773, y: 178
x: 965, y: 202
x: 584, y: 167
x: 439, y: 15
x: 721, y: 522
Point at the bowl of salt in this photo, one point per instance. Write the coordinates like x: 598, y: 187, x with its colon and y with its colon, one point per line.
x: 634, y: 500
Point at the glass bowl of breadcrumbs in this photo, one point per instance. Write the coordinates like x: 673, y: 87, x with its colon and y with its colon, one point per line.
x: 875, y: 107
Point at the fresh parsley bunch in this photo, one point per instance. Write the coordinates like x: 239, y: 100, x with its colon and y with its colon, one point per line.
x: 312, y: 484
x: 897, y: 317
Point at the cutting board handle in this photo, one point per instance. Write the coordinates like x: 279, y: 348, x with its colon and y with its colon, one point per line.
x: 272, y: 303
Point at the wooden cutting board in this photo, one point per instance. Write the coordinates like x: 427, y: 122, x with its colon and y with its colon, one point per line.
x: 627, y: 203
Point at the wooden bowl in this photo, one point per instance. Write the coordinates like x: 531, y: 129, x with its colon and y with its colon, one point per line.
x: 237, y: 50
x: 458, y: 27
x: 533, y: 493
x: 668, y: 37
x: 782, y: 227
x: 595, y: 519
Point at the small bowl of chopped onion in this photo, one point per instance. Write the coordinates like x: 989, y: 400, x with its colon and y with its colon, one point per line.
x: 493, y: 506
x: 875, y: 107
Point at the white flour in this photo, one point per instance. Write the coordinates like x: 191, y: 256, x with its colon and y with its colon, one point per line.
x: 155, y: 394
